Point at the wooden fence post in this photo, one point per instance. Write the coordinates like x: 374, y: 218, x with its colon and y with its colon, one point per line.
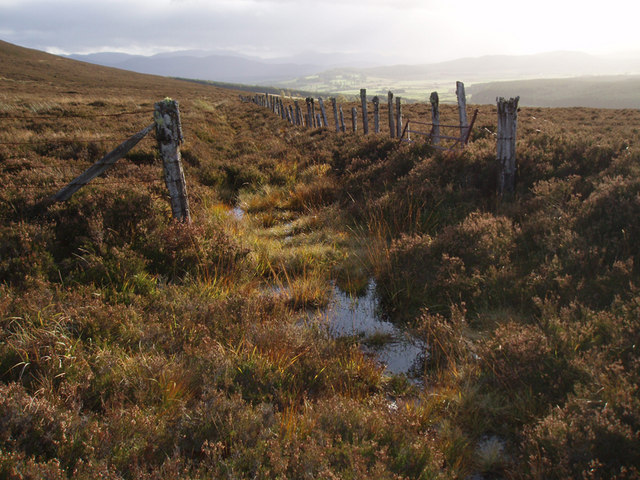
x: 169, y: 135
x: 435, y: 118
x: 376, y: 114
x: 392, y: 128
x: 313, y: 112
x: 342, y: 125
x: 507, y: 127
x: 462, y: 109
x: 309, y: 117
x: 325, y: 122
x: 335, y: 113
x: 399, y: 116
x: 365, y: 119
x: 354, y: 119
x: 298, y: 113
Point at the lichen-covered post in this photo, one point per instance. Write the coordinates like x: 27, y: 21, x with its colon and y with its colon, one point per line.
x: 392, y: 128
x: 335, y: 113
x: 169, y: 136
x: 325, y: 122
x: 365, y: 119
x: 507, y: 127
x: 462, y: 109
x: 435, y: 118
x: 354, y: 119
x: 399, y: 116
x: 342, y: 125
x: 376, y: 114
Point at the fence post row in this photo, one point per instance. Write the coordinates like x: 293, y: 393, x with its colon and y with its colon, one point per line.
x: 169, y: 136
x: 392, y: 129
x: 435, y: 118
x: 365, y: 119
x: 376, y: 114
x: 506, y: 147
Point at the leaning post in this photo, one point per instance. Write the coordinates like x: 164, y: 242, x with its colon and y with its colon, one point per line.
x: 365, y: 119
x: 462, y: 109
x: 169, y: 136
x: 435, y: 118
x: 392, y: 128
x: 376, y: 114
x: 506, y: 147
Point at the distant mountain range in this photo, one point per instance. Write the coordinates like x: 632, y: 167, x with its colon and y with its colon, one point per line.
x: 203, y: 65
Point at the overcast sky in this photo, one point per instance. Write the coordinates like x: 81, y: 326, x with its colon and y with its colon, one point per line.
x: 411, y: 31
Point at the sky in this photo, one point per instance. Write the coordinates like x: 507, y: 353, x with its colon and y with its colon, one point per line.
x: 399, y: 31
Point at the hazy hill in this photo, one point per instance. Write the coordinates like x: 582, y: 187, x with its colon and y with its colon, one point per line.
x: 507, y: 67
x: 595, y: 92
x: 222, y: 68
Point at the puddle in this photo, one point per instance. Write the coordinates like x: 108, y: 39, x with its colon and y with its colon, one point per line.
x: 360, y: 317
x: 238, y: 213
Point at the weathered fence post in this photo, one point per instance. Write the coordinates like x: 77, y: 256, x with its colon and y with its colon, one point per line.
x: 507, y: 126
x: 325, y: 122
x: 335, y: 113
x: 376, y: 114
x: 342, y: 125
x: 298, y: 113
x: 462, y: 109
x: 309, y: 117
x: 399, y: 116
x: 169, y: 136
x: 318, y: 120
x: 435, y: 118
x: 392, y: 128
x: 365, y: 119
x: 354, y: 119
x: 313, y: 112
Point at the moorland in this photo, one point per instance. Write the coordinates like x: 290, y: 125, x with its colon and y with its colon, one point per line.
x: 136, y: 347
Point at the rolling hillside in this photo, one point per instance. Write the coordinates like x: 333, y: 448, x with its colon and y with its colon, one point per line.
x: 594, y: 92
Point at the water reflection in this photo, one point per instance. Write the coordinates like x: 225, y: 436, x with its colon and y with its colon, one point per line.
x: 350, y: 316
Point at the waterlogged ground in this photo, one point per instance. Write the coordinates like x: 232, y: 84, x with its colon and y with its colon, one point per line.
x: 361, y: 318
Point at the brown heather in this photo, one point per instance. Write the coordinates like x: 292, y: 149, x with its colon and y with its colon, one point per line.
x: 132, y: 347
